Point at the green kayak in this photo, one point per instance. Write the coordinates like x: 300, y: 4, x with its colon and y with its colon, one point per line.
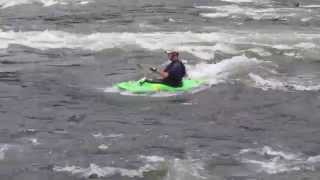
x: 137, y: 87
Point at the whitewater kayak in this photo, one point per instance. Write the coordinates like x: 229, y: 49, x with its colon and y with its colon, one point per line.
x: 146, y: 87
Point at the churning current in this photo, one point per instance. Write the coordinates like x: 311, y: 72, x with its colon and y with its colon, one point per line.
x: 257, y: 118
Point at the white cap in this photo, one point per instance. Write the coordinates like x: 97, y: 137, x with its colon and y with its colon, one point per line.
x: 171, y: 51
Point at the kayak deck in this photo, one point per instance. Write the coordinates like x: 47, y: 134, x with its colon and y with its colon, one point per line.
x: 146, y: 87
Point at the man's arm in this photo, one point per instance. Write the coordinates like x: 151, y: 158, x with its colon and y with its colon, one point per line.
x: 163, y: 74
x: 172, y: 71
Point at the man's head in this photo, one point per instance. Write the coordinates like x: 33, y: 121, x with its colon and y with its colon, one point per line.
x: 173, y: 55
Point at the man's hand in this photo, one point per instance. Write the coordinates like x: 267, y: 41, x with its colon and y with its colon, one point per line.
x: 153, y: 69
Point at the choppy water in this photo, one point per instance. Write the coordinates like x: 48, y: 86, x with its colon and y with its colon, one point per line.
x: 258, y: 118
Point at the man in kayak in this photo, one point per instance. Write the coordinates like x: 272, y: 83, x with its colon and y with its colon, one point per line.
x: 172, y: 74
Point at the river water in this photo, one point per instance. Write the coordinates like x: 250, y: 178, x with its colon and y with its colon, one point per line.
x: 257, y: 118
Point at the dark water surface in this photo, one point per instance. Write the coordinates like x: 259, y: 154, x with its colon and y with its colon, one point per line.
x: 257, y: 119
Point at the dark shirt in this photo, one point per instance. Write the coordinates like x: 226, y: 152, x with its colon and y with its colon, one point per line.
x: 176, y: 71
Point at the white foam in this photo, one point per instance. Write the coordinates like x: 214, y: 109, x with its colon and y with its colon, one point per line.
x: 208, y: 52
x: 267, y: 84
x: 99, y: 41
x: 305, y: 45
x: 292, y: 54
x: 186, y: 170
x: 227, y: 48
x: 171, y: 20
x: 273, y: 166
x: 306, y: 88
x: 46, y: 3
x: 176, y: 169
x: 9, y: 3
x: 231, y: 9
x: 187, y: 103
x: 260, y: 51
x: 239, y: 1
x: 84, y: 2
x: 49, y: 2
x: 266, y: 150
x: 205, y: 7
x: 145, y: 25
x: 306, y: 19
x: 194, y: 43
x: 269, y: 151
x: 103, y: 147
x: 311, y: 6
x: 273, y: 162
x: 236, y: 11
x: 153, y: 159
x: 214, y: 15
x: 314, y: 159
x: 107, y: 171
x: 282, y: 47
x: 248, y: 1
x: 217, y: 73
x: 100, y: 135
x: 3, y: 149
x: 34, y: 141
x: 285, y: 85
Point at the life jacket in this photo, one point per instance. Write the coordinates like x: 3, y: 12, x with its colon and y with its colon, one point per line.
x: 176, y: 71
